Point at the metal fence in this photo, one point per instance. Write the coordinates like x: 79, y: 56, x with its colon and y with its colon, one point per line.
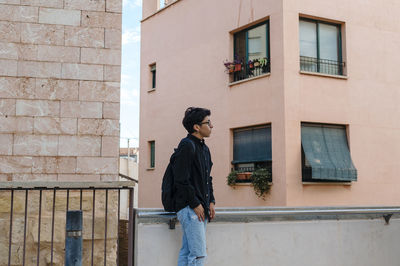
x: 250, y: 70
x: 21, y: 197
x: 325, y: 66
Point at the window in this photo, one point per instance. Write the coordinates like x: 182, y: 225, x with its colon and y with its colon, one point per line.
x: 152, y: 145
x: 320, y: 47
x: 153, y: 76
x: 325, y: 154
x: 164, y: 3
x: 252, y: 149
x: 251, y: 52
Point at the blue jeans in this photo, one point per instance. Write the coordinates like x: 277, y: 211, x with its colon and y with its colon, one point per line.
x: 193, y: 251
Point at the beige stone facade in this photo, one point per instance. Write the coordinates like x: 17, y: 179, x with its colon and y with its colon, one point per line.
x: 59, y: 89
x: 60, y: 63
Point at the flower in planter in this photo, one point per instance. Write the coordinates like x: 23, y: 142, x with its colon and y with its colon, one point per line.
x: 263, y: 62
x: 230, y: 66
x: 238, y: 67
x: 250, y: 64
x: 233, y: 66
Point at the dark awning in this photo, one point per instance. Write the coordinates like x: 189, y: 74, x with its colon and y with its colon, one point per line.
x: 327, y: 153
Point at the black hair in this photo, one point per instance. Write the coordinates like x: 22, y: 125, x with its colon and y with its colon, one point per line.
x: 193, y: 116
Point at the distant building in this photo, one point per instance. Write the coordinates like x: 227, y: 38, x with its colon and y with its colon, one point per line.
x: 307, y: 89
x: 133, y: 153
x: 128, y: 170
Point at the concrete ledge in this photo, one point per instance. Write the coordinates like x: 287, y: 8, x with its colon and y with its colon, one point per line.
x: 246, y: 215
x: 248, y: 79
x: 323, y: 75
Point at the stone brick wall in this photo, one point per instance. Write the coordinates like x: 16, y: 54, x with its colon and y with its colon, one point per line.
x: 59, y: 89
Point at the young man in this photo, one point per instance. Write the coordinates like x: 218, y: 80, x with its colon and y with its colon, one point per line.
x: 195, y: 203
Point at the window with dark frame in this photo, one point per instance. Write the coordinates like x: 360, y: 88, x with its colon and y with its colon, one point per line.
x: 153, y: 76
x: 252, y: 149
x: 320, y: 47
x: 251, y: 52
x: 152, y: 145
x: 325, y: 154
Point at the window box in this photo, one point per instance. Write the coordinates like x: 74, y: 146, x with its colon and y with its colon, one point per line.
x: 244, y: 176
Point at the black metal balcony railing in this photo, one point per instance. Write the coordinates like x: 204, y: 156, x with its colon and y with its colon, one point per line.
x: 250, y: 70
x: 325, y: 66
x: 50, y: 198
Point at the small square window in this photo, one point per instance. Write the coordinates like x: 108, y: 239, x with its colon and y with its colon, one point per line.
x: 320, y: 47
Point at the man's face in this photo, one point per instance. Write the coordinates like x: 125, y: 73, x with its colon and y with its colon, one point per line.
x: 205, y: 127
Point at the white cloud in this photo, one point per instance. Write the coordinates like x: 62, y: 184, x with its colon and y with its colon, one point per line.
x: 131, y: 36
x: 129, y: 96
x: 132, y: 3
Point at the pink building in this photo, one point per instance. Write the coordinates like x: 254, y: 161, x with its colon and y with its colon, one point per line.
x: 313, y: 97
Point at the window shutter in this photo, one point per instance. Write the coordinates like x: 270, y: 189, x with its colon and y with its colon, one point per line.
x: 252, y: 145
x: 327, y: 152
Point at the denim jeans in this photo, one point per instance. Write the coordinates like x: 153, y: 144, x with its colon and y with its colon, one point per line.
x: 193, y: 251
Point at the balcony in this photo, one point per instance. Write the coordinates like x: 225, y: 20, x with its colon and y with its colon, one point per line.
x: 239, y: 70
x: 325, y: 66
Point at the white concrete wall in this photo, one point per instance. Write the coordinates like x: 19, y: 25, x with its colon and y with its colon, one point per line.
x: 366, y: 242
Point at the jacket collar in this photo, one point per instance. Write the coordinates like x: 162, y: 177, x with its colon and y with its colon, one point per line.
x: 196, y: 140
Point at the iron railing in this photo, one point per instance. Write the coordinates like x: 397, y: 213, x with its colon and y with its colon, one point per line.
x: 51, y: 195
x: 249, y: 70
x: 325, y: 66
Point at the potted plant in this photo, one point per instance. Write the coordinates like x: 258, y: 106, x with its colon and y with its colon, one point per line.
x: 251, y: 64
x: 261, y: 182
x: 232, y: 177
x: 230, y: 66
x: 234, y: 66
x: 238, y: 66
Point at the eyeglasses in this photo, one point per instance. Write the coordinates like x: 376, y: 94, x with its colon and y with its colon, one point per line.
x: 208, y: 123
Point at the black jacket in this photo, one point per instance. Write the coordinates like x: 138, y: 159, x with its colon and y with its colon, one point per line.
x: 192, y: 180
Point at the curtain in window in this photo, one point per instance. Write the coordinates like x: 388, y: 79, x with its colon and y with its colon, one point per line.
x: 308, y: 46
x: 308, y: 39
x: 327, y: 152
x: 328, y: 42
x: 252, y: 145
x: 257, y: 41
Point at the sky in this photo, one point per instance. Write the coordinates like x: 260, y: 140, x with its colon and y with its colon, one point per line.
x: 130, y: 72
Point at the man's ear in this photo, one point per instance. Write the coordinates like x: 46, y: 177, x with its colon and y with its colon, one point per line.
x: 196, y: 127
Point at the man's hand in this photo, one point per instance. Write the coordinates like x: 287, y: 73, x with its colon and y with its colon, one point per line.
x: 212, y: 210
x: 199, y: 210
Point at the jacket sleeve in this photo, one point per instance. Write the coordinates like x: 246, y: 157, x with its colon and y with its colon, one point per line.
x: 212, y: 199
x: 182, y: 169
